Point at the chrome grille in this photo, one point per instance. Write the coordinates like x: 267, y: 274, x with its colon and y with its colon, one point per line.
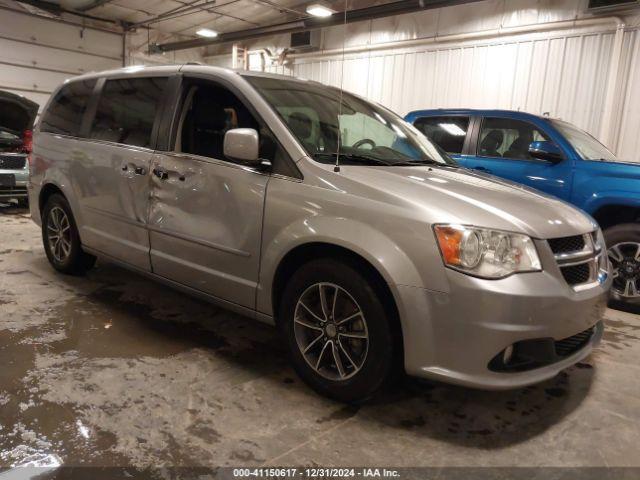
x: 576, y: 274
x: 579, y: 258
x: 12, y: 162
x: 567, y: 244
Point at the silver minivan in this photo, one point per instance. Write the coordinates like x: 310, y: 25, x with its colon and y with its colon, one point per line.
x: 315, y: 210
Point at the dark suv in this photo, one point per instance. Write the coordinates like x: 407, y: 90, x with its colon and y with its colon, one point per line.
x: 17, y: 115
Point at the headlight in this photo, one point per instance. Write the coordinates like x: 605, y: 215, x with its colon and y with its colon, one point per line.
x: 486, y: 253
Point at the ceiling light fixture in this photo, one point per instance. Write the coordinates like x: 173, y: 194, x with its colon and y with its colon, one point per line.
x: 319, y: 10
x: 205, y: 32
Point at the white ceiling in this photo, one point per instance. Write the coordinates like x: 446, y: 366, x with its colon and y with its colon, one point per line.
x: 219, y: 15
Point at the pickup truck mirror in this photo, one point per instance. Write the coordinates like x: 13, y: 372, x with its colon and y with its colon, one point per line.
x: 548, y: 151
x: 242, y: 144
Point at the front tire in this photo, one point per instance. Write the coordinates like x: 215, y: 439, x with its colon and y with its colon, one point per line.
x: 623, y: 244
x: 338, y: 332
x: 61, y: 239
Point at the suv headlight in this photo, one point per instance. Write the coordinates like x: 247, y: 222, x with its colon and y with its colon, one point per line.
x: 486, y: 253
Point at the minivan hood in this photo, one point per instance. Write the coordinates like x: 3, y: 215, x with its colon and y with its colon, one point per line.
x: 17, y: 113
x: 458, y: 195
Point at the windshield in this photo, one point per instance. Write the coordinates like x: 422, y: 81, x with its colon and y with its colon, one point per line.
x: 587, y: 146
x: 359, y: 131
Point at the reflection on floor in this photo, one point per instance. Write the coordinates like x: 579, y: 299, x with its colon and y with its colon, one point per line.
x: 112, y: 369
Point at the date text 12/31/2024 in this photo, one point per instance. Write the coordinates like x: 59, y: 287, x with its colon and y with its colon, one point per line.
x: 315, y: 472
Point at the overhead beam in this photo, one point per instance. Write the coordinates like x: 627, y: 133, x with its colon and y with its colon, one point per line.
x: 92, y: 5
x: 312, y: 23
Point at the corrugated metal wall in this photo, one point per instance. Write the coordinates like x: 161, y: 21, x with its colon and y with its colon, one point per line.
x: 628, y: 142
x: 38, y: 54
x: 564, y: 75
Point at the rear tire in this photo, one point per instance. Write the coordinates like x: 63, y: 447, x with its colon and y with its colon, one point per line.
x: 623, y: 244
x: 342, y: 347
x: 61, y: 239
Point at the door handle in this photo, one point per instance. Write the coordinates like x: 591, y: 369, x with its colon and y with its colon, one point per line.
x: 482, y: 169
x: 161, y: 173
x: 136, y: 169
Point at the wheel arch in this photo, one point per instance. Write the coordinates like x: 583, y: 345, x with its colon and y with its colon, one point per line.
x: 306, y: 252
x: 45, y: 192
x: 616, y: 213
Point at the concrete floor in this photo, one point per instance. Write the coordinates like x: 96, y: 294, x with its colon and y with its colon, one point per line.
x: 113, y: 369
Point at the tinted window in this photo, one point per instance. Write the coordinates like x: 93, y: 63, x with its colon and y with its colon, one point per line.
x: 66, y: 110
x: 127, y: 109
x: 508, y: 138
x: 448, y: 132
x: 209, y: 112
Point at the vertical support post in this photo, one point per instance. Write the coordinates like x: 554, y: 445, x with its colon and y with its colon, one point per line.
x: 234, y: 56
x: 610, y: 116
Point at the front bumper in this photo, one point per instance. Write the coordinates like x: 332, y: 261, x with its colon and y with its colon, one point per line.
x: 454, y: 336
x: 19, y: 189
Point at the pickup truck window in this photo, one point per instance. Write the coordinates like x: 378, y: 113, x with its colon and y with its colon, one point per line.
x: 447, y: 132
x: 507, y: 138
x: 587, y: 146
x: 327, y: 122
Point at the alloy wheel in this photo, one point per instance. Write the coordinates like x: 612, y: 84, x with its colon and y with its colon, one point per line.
x: 625, y: 260
x: 59, y: 234
x: 331, y: 331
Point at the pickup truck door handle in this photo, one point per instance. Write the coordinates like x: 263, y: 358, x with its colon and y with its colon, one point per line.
x: 482, y: 169
x: 161, y: 173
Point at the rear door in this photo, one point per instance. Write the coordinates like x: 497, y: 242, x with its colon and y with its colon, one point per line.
x: 502, y: 149
x: 112, y: 167
x: 449, y: 132
x: 205, y: 214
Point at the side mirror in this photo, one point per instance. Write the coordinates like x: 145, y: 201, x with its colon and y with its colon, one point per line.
x: 242, y: 144
x: 548, y: 151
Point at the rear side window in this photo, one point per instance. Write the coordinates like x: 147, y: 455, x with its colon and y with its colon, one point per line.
x: 127, y: 109
x: 447, y: 132
x: 64, y: 115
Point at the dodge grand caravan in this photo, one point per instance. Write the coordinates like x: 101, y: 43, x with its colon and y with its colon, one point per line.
x: 323, y: 214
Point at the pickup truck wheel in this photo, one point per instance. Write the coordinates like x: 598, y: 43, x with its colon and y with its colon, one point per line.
x: 61, y: 240
x: 337, y: 331
x: 623, y: 243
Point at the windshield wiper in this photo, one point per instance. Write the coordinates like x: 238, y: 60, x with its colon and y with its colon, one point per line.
x: 356, y: 158
x: 426, y: 161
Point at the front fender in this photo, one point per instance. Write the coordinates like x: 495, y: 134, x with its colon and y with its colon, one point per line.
x: 385, y: 255
x: 602, y: 199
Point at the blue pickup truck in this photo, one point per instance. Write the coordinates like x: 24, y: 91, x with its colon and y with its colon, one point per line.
x: 558, y: 158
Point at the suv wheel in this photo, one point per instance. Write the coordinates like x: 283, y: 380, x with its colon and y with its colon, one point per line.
x: 337, y: 330
x: 623, y: 243
x: 61, y: 239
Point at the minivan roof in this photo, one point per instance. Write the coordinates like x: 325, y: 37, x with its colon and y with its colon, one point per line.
x: 143, y: 70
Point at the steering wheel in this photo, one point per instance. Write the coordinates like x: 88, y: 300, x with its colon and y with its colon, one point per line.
x: 364, y: 141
